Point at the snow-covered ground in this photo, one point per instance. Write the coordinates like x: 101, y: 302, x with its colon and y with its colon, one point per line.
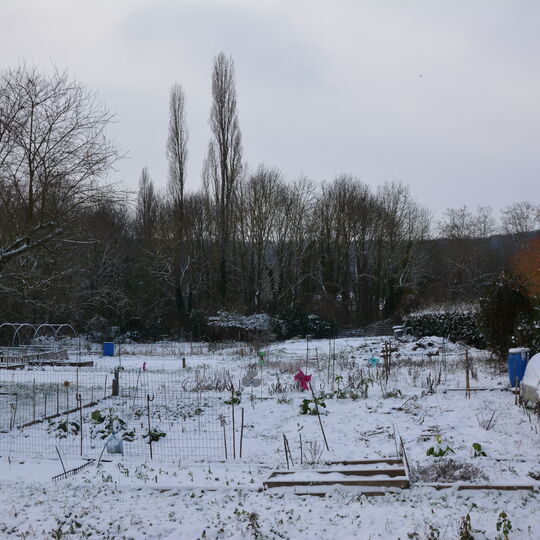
x: 194, y: 492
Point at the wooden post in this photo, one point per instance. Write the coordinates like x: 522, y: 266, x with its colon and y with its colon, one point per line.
x: 233, y: 428
x: 241, y: 432
x: 148, y: 400
x: 116, y: 383
x: 467, y: 376
x: 79, y: 402
x: 61, y: 460
x: 136, y: 387
x: 34, y: 400
x: 307, y: 353
x: 223, y: 423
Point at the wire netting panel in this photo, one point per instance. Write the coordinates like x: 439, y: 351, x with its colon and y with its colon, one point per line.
x: 167, y: 416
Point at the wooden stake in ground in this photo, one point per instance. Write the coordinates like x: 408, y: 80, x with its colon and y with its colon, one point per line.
x: 319, y: 416
x: 233, y: 430
x: 301, y: 447
x: 14, y: 412
x: 307, y: 352
x: 79, y: 402
x: 34, y: 400
x: 148, y: 400
x: 467, y: 375
x: 242, y: 432
x: 287, y: 449
x: 221, y: 418
x: 387, y: 356
x: 61, y: 460
x: 136, y: 387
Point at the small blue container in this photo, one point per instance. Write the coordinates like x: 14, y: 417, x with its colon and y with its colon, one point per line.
x: 108, y: 348
x: 517, y: 362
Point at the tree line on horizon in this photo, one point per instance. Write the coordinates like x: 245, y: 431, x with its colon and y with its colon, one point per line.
x: 75, y: 248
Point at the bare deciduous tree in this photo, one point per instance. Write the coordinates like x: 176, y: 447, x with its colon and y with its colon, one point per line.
x: 520, y: 219
x: 53, y: 152
x: 259, y: 200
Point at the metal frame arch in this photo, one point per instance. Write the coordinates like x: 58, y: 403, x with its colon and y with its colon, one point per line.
x: 66, y: 325
x: 17, y: 328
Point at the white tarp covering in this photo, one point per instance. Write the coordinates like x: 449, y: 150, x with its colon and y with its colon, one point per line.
x: 531, y: 379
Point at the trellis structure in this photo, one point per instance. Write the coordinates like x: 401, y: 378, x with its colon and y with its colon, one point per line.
x: 18, y: 352
x: 37, y: 330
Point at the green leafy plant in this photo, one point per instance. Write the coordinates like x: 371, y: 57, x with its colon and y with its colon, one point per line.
x: 504, y: 526
x: 433, y: 533
x: 309, y: 406
x: 252, y: 521
x: 465, y: 531
x: 235, y: 399
x: 104, y: 425
x: 438, y: 450
x: 343, y: 393
x: 154, y: 435
x: 478, y: 451
x: 363, y: 386
x: 62, y: 429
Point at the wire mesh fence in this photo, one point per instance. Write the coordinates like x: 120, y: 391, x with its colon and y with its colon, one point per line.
x: 166, y: 416
x: 175, y: 414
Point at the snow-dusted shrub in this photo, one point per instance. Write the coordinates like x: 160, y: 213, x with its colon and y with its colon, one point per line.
x: 455, y: 323
x: 528, y: 333
x: 447, y: 470
x: 195, y: 325
x: 296, y: 322
x: 504, y: 305
x: 233, y: 326
x: 259, y: 322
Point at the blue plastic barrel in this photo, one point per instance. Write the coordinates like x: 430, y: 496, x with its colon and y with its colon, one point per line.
x: 108, y: 348
x: 517, y: 362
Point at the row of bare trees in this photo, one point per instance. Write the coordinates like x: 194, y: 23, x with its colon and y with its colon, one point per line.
x: 249, y: 240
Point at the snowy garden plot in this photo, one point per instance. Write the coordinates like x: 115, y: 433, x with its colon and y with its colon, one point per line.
x: 422, y: 398
x: 168, y: 415
x: 364, y: 407
x: 32, y: 395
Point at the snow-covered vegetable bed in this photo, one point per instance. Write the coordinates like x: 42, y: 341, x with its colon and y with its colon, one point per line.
x: 366, y: 405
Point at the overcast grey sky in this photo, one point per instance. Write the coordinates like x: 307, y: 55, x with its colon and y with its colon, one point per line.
x: 442, y: 95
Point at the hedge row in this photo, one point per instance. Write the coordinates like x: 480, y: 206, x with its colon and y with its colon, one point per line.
x: 454, y: 324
